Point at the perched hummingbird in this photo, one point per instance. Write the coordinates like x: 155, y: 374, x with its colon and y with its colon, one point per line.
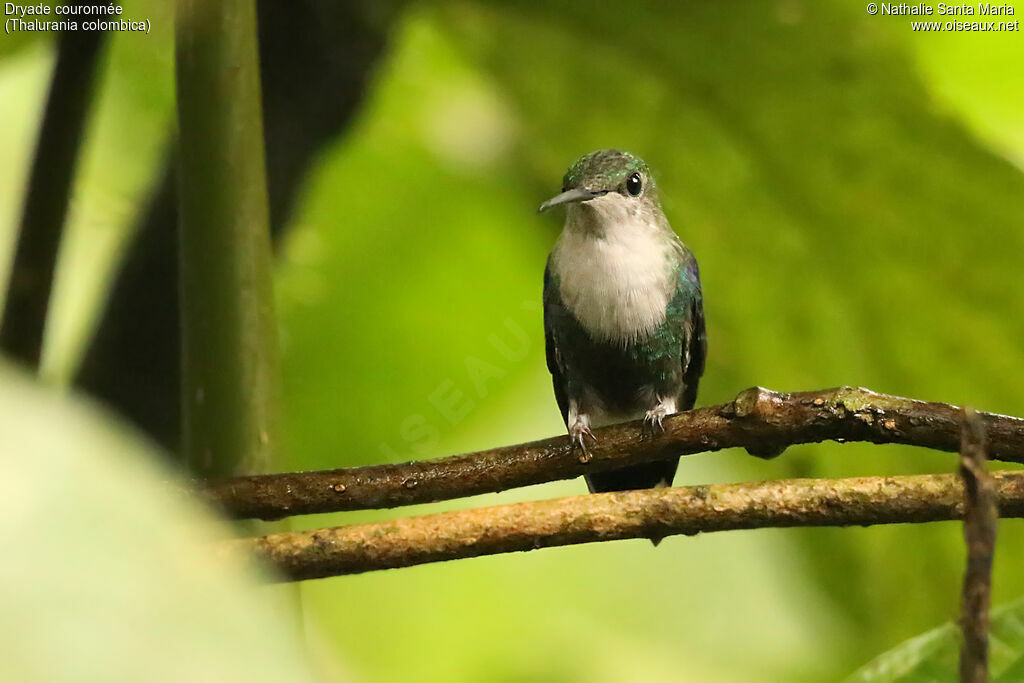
x: 623, y: 310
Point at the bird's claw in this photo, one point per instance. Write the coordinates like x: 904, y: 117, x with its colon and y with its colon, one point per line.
x: 653, y: 419
x: 577, y: 435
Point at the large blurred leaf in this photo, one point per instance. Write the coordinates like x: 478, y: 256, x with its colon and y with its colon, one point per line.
x: 125, y: 141
x: 933, y: 657
x: 24, y: 78
x: 125, y: 138
x: 109, y: 572
x: 15, y: 40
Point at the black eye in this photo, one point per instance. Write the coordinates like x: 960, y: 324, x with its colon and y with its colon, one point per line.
x: 634, y: 184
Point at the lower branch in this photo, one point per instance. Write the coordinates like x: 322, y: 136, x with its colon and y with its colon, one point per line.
x: 980, y: 516
x: 631, y: 514
x: 762, y: 421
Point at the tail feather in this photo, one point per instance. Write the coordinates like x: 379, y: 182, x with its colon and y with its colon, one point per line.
x: 646, y: 476
x: 649, y: 475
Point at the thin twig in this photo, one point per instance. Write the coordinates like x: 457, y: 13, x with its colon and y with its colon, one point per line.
x: 630, y: 514
x: 980, y: 515
x: 758, y: 419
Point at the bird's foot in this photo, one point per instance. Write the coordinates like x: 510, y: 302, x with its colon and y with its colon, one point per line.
x: 653, y: 419
x: 578, y: 433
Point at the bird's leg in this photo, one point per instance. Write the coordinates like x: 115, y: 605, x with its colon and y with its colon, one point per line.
x: 577, y: 432
x: 579, y: 429
x: 654, y: 416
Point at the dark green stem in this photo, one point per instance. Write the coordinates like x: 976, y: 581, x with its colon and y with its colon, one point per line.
x: 46, y: 200
x: 229, y: 357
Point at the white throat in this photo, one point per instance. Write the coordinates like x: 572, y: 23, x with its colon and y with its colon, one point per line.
x: 614, y: 269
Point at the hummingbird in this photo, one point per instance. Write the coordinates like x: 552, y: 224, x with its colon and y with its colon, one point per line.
x: 623, y: 311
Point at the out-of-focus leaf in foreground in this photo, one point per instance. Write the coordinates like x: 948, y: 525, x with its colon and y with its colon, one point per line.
x: 933, y: 657
x: 109, y: 572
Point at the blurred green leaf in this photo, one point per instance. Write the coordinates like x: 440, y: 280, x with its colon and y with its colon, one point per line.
x: 110, y: 571
x: 16, y: 41
x: 24, y: 79
x: 933, y: 657
x: 126, y: 140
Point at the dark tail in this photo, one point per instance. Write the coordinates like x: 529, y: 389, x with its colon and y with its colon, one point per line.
x: 646, y: 476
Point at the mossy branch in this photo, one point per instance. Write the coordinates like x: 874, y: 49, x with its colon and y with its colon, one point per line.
x: 631, y: 514
x: 762, y: 421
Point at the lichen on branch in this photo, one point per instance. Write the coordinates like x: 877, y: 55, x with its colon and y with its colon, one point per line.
x: 630, y: 514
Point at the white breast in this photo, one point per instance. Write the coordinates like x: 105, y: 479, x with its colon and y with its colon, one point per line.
x: 617, y: 284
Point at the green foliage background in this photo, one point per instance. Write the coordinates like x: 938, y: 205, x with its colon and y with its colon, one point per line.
x: 852, y: 189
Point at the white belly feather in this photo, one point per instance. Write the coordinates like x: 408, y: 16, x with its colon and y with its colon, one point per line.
x: 619, y: 285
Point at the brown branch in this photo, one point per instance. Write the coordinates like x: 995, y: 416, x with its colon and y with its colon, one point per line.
x: 980, y: 515
x: 631, y: 514
x: 762, y: 421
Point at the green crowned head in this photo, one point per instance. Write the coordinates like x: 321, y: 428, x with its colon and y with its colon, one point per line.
x: 603, y: 172
x: 605, y: 169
